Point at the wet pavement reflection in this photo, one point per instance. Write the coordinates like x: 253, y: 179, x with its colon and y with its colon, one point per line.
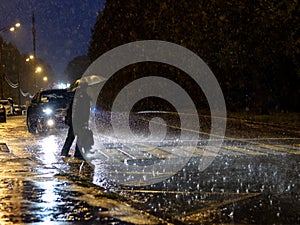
x: 30, y: 195
x: 237, y: 190
x: 37, y: 186
x: 246, y: 184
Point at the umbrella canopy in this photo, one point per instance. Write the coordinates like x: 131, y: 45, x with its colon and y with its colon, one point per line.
x: 92, y: 79
x: 89, y: 80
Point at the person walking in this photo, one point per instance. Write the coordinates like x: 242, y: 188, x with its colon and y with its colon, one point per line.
x: 81, y: 114
x: 70, y: 136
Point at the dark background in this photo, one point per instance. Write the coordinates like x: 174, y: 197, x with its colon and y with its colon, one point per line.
x: 251, y: 47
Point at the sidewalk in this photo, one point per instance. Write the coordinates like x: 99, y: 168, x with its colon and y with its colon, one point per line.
x: 32, y: 193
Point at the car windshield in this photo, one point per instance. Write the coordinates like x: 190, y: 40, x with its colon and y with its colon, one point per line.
x: 59, y: 97
x: 52, y: 97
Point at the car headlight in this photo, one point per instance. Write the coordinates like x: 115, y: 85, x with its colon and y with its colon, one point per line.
x: 50, y: 122
x: 47, y: 111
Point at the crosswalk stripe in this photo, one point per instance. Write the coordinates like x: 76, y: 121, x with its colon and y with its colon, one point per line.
x: 242, y: 150
x: 201, y: 152
x: 280, y: 149
x: 263, y: 150
x: 229, y: 152
x: 159, y: 153
x: 114, y: 154
x: 144, y: 151
x: 179, y: 151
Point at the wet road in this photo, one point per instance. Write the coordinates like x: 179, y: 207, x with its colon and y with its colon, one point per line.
x: 38, y: 187
x: 250, y: 181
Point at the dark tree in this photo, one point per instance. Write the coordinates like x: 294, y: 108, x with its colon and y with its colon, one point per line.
x: 77, y: 67
x: 252, y: 47
x: 18, y: 76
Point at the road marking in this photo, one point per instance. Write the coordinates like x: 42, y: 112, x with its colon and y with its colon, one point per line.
x: 249, y: 141
x: 212, y: 208
x: 242, y: 150
x: 256, y: 147
x: 138, y: 173
x: 133, y: 151
x: 113, y: 154
x: 293, y: 149
x: 201, y: 152
x: 184, y: 192
x: 159, y: 153
x: 210, y: 202
x: 280, y: 148
x: 125, y: 153
x: 178, y: 151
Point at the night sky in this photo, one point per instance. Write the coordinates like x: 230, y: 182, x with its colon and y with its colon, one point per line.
x: 63, y: 28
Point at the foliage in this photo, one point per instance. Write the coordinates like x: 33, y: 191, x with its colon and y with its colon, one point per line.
x: 16, y: 69
x: 251, y: 46
x: 77, y: 67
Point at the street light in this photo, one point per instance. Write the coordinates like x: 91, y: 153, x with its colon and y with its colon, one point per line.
x: 31, y: 57
x: 10, y: 28
x: 38, y: 69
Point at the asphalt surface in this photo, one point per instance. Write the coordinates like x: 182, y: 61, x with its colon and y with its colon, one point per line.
x: 37, y: 186
x: 253, y: 179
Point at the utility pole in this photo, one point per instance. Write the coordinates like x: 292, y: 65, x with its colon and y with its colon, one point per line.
x: 33, y: 35
x: 1, y: 70
x: 34, y: 49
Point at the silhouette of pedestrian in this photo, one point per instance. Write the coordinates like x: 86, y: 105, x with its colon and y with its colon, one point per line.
x: 71, y: 136
x: 84, y: 134
x: 81, y: 118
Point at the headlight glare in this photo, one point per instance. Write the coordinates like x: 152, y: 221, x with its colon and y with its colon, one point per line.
x: 50, y: 122
x: 47, y: 111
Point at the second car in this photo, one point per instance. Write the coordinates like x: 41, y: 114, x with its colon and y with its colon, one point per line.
x: 47, y: 110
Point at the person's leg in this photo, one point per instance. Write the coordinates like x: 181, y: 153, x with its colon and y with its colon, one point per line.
x: 77, y: 153
x: 68, y: 142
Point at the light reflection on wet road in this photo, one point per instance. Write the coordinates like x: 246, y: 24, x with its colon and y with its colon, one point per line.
x: 38, y: 187
x: 248, y: 182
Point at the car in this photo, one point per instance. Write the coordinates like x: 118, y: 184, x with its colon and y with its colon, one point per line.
x: 2, y: 114
x: 47, y: 110
x: 19, y: 110
x: 8, y: 106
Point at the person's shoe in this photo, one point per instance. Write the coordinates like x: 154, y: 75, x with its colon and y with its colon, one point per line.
x: 66, y: 155
x: 78, y: 157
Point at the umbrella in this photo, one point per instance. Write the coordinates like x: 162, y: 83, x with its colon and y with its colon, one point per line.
x: 89, y: 80
x: 92, y: 79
